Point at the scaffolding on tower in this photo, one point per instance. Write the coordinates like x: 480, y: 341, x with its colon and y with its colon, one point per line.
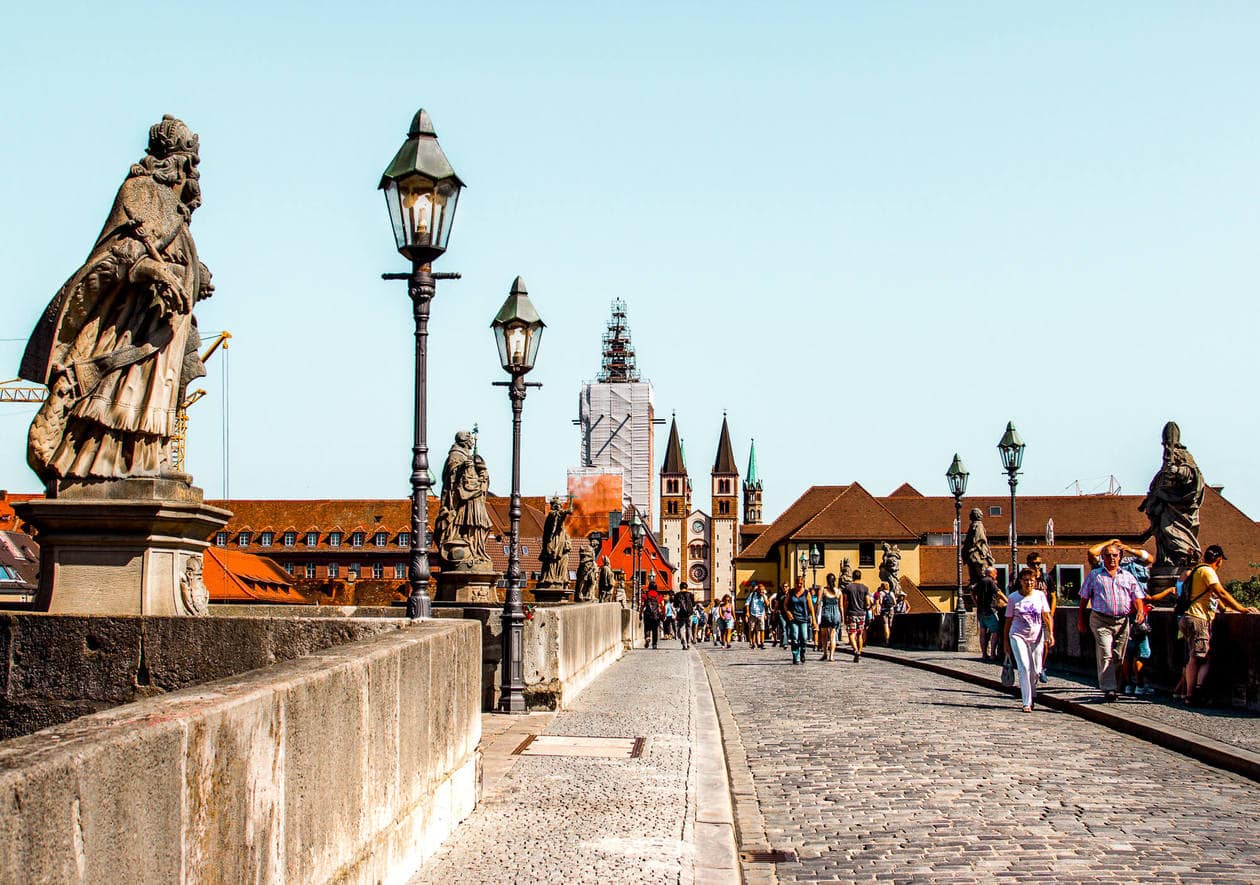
x: 618, y: 365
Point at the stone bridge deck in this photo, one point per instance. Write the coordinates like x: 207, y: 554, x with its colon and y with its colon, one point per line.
x: 871, y: 771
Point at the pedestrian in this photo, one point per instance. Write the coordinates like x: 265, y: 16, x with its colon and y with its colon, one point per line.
x: 814, y: 640
x: 728, y: 619
x: 1038, y: 566
x: 652, y: 614
x: 829, y: 618
x: 989, y: 615
x: 780, y: 614
x: 887, y: 608
x: 715, y: 621
x: 1204, y: 595
x: 1028, y: 628
x: 799, y: 612
x: 1139, y: 651
x: 755, y: 615
x: 856, y: 601
x: 1113, y: 595
x: 667, y: 622
x: 685, y: 604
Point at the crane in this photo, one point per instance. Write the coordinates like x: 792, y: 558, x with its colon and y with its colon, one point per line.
x: 37, y: 394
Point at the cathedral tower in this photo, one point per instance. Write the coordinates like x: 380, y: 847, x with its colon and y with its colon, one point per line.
x: 725, y: 497
x: 752, y: 488
x: 675, y: 500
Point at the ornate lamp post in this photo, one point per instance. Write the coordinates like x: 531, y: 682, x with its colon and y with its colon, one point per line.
x: 957, y: 477
x: 517, y: 331
x: 802, y: 563
x: 421, y: 190
x: 815, y: 560
x: 636, y: 537
x: 1011, y: 447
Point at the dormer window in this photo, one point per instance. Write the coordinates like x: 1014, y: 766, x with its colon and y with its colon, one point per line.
x: 356, y: 539
x: 242, y: 540
x: 312, y: 539
x: 995, y: 510
x: 265, y: 538
x: 290, y: 538
x: 220, y: 539
x: 380, y: 539
x: 334, y: 539
x: 404, y: 539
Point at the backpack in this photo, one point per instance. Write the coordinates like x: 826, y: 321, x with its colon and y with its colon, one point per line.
x: 1183, y: 598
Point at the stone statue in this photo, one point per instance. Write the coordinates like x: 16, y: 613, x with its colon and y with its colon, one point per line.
x: 554, y: 557
x: 462, y: 525
x: 975, y: 548
x: 890, y: 567
x: 117, y: 345
x: 846, y: 572
x: 1172, y: 504
x: 607, y: 583
x: 585, y: 586
x: 192, y: 589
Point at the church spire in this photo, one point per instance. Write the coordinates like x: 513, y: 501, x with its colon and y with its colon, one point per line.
x: 751, y: 478
x: 618, y: 363
x: 724, y: 463
x: 674, y: 463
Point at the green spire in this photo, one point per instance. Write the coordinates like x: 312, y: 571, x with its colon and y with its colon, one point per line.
x: 751, y: 479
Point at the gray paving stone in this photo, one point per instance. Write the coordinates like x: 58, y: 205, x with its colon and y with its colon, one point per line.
x: 904, y: 775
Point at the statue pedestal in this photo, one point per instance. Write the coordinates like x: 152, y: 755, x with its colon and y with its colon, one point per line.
x: 553, y: 593
x: 467, y: 586
x: 128, y: 547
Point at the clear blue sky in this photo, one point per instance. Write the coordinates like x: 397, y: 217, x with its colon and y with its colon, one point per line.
x: 872, y: 232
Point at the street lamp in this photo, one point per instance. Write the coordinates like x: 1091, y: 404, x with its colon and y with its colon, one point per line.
x: 421, y: 190
x: 517, y: 331
x: 957, y: 477
x: 815, y: 560
x: 636, y: 537
x: 802, y: 563
x: 1011, y: 447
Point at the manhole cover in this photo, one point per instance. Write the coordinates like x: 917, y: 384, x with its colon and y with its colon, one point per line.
x: 772, y: 855
x: 576, y: 745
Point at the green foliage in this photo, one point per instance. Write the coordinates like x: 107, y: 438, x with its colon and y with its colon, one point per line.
x: 1246, y: 592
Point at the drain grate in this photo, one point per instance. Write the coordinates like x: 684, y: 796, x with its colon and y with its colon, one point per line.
x: 578, y: 745
x: 769, y: 855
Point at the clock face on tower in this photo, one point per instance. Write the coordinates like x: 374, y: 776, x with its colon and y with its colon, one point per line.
x: 698, y: 526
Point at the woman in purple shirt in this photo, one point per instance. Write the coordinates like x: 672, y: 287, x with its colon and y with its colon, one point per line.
x: 1029, y: 630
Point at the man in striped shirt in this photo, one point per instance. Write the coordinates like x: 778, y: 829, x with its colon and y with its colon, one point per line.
x: 1112, y: 594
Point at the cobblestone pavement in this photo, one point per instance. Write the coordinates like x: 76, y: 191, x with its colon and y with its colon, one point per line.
x: 877, y: 771
x: 577, y: 820
x: 1241, y: 728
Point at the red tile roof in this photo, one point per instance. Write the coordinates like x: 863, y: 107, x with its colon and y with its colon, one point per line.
x: 799, y: 512
x: 855, y: 515
x: 233, y: 576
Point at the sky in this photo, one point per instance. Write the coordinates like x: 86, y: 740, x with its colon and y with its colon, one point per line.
x: 872, y: 233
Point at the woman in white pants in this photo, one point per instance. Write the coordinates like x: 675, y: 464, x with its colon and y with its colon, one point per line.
x: 1029, y: 630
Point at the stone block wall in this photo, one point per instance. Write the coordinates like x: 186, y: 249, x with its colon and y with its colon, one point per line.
x: 350, y: 764
x: 566, y: 647
x: 54, y: 668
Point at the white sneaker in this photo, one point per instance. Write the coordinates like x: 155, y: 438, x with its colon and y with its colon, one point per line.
x: 1145, y: 690
x: 1128, y: 689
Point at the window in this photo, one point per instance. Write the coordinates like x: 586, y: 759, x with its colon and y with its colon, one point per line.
x: 380, y: 539
x: 310, y: 570
x: 242, y: 540
x: 724, y: 486
x: 672, y: 508
x: 404, y: 539
x: 698, y: 551
x: 1068, y: 580
x: 353, y: 570
x: 995, y: 510
x: 866, y: 554
x: 378, y: 571
x: 333, y: 570
x: 724, y: 507
x: 288, y: 567
x: 290, y: 538
x: 220, y: 539
x: 265, y: 538
x: 312, y: 539
x: 356, y: 539
x: 400, y: 571
x: 672, y: 487
x: 334, y: 539
x: 1001, y: 576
